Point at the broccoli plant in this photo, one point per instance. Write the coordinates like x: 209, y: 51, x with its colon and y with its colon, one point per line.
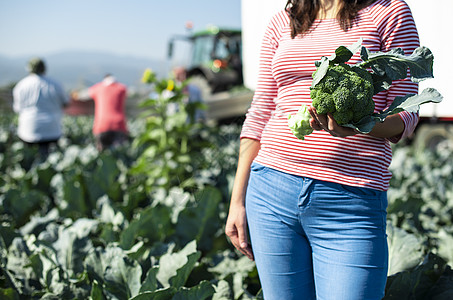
x: 346, y: 91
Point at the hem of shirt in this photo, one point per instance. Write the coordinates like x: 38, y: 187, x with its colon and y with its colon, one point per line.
x: 250, y: 137
x: 360, y: 182
x: 40, y: 139
x: 96, y: 132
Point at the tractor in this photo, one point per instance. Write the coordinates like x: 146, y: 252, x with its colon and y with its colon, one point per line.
x: 215, y: 64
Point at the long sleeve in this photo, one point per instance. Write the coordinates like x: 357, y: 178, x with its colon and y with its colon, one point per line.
x: 263, y: 100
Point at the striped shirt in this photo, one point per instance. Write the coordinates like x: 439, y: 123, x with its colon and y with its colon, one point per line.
x: 285, y: 76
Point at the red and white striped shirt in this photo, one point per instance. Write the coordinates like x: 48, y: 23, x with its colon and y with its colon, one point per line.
x: 285, y: 76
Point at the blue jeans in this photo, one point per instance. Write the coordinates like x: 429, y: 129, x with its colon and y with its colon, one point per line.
x: 314, y: 239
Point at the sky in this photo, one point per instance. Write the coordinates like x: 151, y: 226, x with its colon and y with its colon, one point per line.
x: 136, y: 27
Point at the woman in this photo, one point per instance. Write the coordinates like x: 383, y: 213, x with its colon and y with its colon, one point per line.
x: 316, y: 208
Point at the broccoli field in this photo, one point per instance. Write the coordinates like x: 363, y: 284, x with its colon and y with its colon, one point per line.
x: 146, y: 221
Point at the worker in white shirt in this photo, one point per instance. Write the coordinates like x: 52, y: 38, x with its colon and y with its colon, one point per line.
x: 39, y: 102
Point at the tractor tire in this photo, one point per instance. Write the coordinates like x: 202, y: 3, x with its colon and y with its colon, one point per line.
x: 429, y: 136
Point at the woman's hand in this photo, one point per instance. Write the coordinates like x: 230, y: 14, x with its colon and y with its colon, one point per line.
x: 236, y: 225
x: 236, y: 230
x: 327, y: 122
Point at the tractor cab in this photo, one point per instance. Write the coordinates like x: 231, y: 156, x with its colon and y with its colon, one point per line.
x: 215, y: 59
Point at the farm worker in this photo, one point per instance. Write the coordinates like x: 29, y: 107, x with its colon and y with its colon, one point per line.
x: 39, y: 101
x: 312, y: 213
x: 109, y: 125
x: 191, y: 91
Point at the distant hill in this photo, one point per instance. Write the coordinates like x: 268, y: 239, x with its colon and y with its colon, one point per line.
x: 76, y: 69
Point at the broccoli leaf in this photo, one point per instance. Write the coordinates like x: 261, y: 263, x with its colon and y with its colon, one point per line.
x: 343, y: 54
x: 394, y: 63
x: 363, y: 126
x: 386, y: 66
x: 380, y: 83
x: 321, y: 70
x: 409, y: 103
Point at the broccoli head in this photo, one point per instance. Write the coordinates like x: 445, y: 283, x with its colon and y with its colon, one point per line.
x: 346, y: 92
x: 322, y: 101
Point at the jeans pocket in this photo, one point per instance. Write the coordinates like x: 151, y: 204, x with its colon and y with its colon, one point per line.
x: 361, y: 191
x: 258, y: 168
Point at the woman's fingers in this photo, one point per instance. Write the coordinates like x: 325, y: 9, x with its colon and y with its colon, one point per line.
x: 315, y: 125
x: 238, y: 237
x: 314, y: 121
x: 241, y: 244
x: 320, y: 121
x: 244, y: 245
x: 327, y: 123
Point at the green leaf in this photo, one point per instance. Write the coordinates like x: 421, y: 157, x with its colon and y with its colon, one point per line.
x: 162, y: 294
x: 416, y: 283
x: 7, y: 235
x: 17, y: 266
x: 96, y: 291
x: 394, y: 63
x: 343, y: 54
x: 175, y: 268
x: 405, y: 250
x: 9, y: 294
x: 382, y: 64
x: 365, y: 125
x: 201, y: 291
x: 42, y: 176
x: 38, y: 224
x: 150, y: 284
x: 445, y: 248
x: 235, y: 271
x: 103, y: 180
x: 153, y: 222
x: 222, y: 291
x: 409, y: 103
x: 73, y: 244
x: 321, y: 70
x: 380, y: 83
x: 228, y: 266
x: 108, y: 213
x: 70, y: 193
x: 443, y: 289
x: 120, y: 276
x: 21, y: 204
x: 201, y: 221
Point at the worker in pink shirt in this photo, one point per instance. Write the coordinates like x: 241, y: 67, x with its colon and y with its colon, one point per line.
x: 109, y: 126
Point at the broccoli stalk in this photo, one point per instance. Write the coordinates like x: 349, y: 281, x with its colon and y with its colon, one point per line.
x: 300, y: 123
